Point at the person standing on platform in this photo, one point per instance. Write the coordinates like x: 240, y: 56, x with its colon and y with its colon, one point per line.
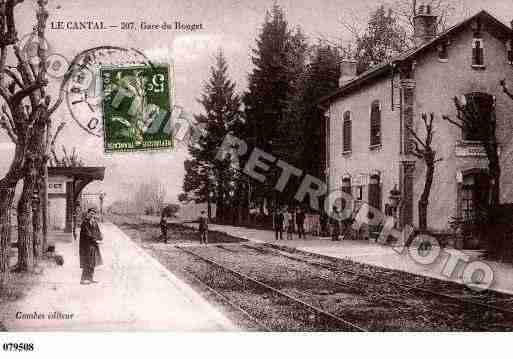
x: 89, y: 250
x: 203, y: 228
x: 300, y: 220
x: 323, y: 222
x: 289, y: 223
x: 163, y: 228
x: 278, y: 223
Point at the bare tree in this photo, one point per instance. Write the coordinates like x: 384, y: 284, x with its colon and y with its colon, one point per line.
x: 25, y: 117
x: 149, y: 197
x: 67, y: 160
x: 445, y: 10
x: 355, y: 25
x: 424, y: 151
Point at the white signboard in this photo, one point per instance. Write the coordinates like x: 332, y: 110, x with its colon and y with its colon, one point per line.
x: 57, y: 187
x: 472, y: 150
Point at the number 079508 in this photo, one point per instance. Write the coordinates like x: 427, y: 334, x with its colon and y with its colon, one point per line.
x: 18, y: 347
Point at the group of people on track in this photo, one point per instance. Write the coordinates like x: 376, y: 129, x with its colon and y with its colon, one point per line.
x: 293, y: 221
x: 287, y: 220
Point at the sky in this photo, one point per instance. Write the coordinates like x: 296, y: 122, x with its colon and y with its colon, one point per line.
x: 231, y: 25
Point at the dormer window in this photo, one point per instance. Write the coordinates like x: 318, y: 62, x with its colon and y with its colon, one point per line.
x: 478, y: 53
x: 443, y: 54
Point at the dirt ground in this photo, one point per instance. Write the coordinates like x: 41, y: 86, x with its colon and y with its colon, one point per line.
x: 374, y: 304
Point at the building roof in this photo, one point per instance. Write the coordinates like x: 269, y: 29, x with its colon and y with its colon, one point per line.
x: 79, y: 173
x: 498, y: 29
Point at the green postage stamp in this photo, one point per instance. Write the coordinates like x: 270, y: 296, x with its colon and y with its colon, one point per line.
x: 136, y: 108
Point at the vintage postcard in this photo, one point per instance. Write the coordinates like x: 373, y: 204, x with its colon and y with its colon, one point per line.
x: 238, y: 166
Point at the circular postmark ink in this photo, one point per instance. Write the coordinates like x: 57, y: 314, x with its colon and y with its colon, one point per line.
x: 56, y: 66
x: 84, y: 87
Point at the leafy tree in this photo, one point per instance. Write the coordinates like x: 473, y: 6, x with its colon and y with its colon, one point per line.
x: 205, y: 176
x: 195, y: 184
x: 271, y: 103
x: 320, y: 78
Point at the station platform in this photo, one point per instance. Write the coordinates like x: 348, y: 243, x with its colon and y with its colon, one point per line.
x: 383, y: 256
x: 135, y: 293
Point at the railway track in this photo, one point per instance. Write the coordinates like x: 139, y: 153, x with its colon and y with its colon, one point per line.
x: 351, y: 298
x: 335, y: 269
x: 257, y: 323
x: 329, y: 320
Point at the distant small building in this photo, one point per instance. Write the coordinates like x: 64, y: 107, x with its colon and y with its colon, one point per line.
x: 65, y: 184
x: 192, y: 211
x: 367, y: 138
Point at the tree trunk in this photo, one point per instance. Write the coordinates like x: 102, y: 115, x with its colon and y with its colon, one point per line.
x: 494, y: 171
x: 32, y: 171
x: 37, y: 233
x: 7, y: 191
x: 220, y: 212
x: 25, y: 227
x: 491, y: 232
x: 44, y: 208
x: 424, y: 198
x: 6, y: 201
x: 209, y: 209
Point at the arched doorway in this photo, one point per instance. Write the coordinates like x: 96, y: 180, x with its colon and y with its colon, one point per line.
x: 473, y: 207
x: 473, y: 194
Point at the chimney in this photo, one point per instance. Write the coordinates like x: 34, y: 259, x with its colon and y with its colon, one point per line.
x: 347, y: 71
x: 424, y: 25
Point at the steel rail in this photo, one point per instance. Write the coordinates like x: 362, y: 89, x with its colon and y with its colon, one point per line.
x: 396, y: 284
x: 228, y: 300
x: 277, y: 291
x: 329, y: 280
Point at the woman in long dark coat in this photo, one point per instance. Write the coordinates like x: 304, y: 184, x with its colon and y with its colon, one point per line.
x: 90, y: 256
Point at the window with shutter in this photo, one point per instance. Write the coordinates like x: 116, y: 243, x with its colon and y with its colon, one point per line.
x: 375, y: 124
x: 346, y: 185
x: 347, y: 132
x: 478, y: 53
x: 358, y: 192
x: 375, y: 192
